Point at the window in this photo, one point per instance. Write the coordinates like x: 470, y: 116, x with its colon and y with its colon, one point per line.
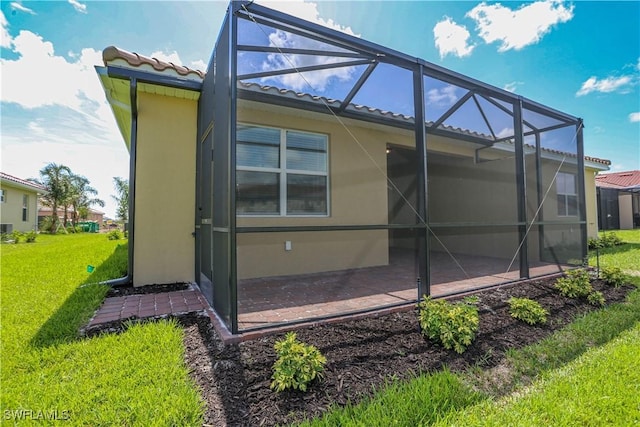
x: 2, y: 199
x: 25, y: 207
x: 566, y: 194
x: 281, y: 172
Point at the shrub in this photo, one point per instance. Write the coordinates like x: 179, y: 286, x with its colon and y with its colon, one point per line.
x: 298, y: 364
x: 595, y: 243
x: 16, y: 236
x: 452, y: 325
x: 613, y: 276
x: 30, y: 236
x: 575, y: 284
x: 608, y: 240
x: 596, y: 298
x: 114, y: 235
x: 527, y: 310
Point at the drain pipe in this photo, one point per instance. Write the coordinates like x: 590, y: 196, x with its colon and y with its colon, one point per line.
x: 133, y: 92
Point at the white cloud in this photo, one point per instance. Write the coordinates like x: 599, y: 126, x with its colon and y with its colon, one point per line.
x: 634, y: 117
x: 512, y: 86
x: 444, y: 97
x: 606, y: 85
x: 5, y: 37
x: 172, y: 57
x: 17, y: 6
x: 41, y: 78
x: 79, y: 7
x: 199, y: 65
x: 515, y: 29
x: 452, y: 38
x: 63, y: 115
x: 506, y: 132
x: 317, y: 79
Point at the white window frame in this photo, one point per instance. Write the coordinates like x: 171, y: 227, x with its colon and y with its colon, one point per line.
x: 2, y: 195
x: 283, y: 171
x: 566, y: 195
x: 25, y: 208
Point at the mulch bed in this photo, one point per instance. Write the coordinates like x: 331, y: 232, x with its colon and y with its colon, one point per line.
x: 120, y: 291
x: 361, y: 355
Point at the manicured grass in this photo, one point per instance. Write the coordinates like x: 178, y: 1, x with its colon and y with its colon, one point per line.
x: 599, y: 388
x: 419, y: 402
x: 134, y: 378
x: 626, y: 256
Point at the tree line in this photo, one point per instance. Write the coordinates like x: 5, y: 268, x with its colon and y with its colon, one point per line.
x: 74, y: 194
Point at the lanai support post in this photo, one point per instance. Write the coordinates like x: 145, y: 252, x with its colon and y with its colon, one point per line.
x: 521, y: 188
x: 582, y: 204
x: 424, y: 282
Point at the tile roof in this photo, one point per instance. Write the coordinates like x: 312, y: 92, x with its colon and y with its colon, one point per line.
x: 112, y: 53
x: 618, y: 179
x: 22, y: 182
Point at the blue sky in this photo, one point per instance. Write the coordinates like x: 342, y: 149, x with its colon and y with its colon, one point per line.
x: 582, y: 58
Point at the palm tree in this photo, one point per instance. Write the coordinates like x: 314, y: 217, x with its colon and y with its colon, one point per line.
x: 122, y: 198
x: 56, y: 181
x: 80, y: 196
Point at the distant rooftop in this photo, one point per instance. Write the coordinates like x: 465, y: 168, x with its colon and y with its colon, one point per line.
x: 6, y: 178
x: 619, y: 180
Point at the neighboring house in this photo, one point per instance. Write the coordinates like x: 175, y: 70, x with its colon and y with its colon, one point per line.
x: 18, y: 204
x: 94, y: 215
x: 618, y: 200
x: 394, y: 180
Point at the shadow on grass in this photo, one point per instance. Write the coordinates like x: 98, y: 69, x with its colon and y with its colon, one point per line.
x: 64, y: 324
x: 625, y: 247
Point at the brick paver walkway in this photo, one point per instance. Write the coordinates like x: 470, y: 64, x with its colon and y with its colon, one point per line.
x: 148, y: 305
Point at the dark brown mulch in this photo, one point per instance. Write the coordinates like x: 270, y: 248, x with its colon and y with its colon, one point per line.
x: 119, y: 291
x: 361, y: 355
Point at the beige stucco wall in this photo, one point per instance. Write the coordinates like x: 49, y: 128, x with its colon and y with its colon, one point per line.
x: 11, y: 208
x: 165, y: 190
x: 357, y: 196
x: 626, y: 210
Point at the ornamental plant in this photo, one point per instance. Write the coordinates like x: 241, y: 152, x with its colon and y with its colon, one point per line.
x: 527, y: 310
x: 575, y: 284
x: 297, y: 365
x: 596, y: 298
x: 453, y: 325
x: 613, y: 276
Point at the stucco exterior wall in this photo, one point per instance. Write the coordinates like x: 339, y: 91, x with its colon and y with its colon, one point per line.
x: 357, y: 196
x: 165, y: 190
x: 11, y: 208
x: 626, y: 210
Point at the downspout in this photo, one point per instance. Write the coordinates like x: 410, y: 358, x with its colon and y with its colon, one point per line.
x: 133, y: 92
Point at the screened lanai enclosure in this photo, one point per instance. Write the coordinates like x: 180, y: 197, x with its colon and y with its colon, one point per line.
x: 337, y: 176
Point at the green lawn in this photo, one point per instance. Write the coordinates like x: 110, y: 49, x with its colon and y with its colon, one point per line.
x: 626, y: 256
x: 134, y: 378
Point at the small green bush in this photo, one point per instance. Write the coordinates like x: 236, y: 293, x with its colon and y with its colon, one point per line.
x: 527, y: 310
x: 298, y: 364
x: 595, y: 243
x: 596, y: 298
x: 30, y: 236
x: 613, y: 276
x: 608, y: 240
x: 114, y: 235
x: 575, y: 284
x: 452, y: 325
x: 16, y: 236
